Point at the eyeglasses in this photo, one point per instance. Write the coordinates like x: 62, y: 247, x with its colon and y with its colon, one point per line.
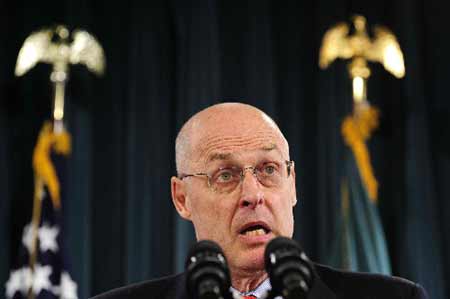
x: 226, y: 179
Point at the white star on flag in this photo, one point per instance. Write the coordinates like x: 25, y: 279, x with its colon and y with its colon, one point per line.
x: 14, y: 283
x: 68, y: 288
x: 47, y: 238
x: 19, y: 280
x: 41, y: 278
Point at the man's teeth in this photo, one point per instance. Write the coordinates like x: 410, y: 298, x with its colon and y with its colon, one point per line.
x: 256, y: 232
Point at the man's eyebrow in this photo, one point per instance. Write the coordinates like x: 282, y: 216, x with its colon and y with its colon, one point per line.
x: 269, y: 147
x: 219, y: 156
x: 272, y: 147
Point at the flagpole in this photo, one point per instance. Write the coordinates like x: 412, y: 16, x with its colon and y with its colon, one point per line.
x: 59, y: 80
x: 359, y: 73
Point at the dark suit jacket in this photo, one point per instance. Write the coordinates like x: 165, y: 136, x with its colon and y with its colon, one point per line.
x: 330, y: 284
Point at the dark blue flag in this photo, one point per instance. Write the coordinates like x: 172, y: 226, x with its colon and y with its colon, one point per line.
x: 360, y: 243
x: 42, y: 269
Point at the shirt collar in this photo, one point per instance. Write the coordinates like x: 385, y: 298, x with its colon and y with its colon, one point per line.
x: 259, y: 292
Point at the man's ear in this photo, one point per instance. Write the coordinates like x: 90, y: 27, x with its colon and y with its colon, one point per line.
x: 294, y: 198
x: 179, y: 198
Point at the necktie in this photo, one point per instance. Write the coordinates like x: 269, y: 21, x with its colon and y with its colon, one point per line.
x: 249, y: 297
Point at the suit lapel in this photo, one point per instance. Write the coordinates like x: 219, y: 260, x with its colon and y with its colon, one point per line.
x: 180, y: 287
x: 320, y: 290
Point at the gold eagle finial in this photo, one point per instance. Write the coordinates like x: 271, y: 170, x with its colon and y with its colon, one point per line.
x: 383, y: 48
x: 53, y: 46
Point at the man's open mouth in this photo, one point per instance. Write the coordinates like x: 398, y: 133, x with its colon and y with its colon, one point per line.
x: 255, y: 230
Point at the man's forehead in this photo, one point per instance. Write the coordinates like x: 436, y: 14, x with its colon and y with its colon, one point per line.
x: 217, y: 146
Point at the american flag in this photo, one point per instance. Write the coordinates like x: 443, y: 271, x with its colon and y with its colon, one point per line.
x: 42, y: 272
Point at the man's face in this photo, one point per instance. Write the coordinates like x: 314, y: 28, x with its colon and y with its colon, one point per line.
x: 244, y: 220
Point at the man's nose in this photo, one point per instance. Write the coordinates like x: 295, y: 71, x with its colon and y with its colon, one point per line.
x: 251, y: 193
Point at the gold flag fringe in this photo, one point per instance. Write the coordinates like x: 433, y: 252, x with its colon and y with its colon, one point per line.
x: 356, y: 130
x: 42, y: 164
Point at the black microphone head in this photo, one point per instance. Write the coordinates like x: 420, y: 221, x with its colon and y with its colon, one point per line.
x: 290, y: 271
x: 202, y: 247
x: 208, y: 276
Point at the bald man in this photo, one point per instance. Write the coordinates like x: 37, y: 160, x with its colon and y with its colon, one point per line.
x: 236, y: 184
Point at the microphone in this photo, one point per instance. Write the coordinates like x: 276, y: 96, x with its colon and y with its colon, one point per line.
x: 290, y: 271
x: 208, y: 276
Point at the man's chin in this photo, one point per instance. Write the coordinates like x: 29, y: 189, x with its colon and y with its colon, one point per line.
x: 249, y: 253
x: 251, y: 260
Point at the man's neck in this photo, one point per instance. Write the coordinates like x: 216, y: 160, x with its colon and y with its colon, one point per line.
x: 245, y: 281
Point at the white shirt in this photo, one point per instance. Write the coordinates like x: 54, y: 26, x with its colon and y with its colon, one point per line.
x: 260, y: 292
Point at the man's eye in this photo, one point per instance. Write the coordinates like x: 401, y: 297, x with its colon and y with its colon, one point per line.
x: 269, y: 169
x: 224, y: 176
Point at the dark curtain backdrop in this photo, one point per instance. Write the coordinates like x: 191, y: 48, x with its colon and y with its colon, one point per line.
x: 169, y: 59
